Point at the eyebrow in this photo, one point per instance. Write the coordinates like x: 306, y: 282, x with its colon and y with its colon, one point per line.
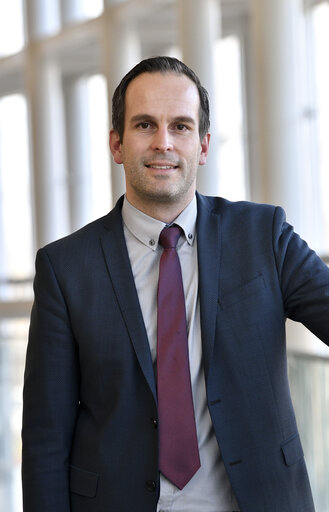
x: 147, y: 117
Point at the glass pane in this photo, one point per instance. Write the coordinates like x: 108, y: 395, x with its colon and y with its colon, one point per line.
x: 11, y: 27
x: 321, y: 45
x: 88, y: 151
x: 46, y: 18
x: 99, y: 148
x: 16, y: 245
x: 13, y: 335
x: 92, y: 8
x: 77, y: 10
x: 229, y: 116
x: 309, y: 382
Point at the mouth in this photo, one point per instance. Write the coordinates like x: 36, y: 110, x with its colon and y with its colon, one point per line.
x: 161, y: 167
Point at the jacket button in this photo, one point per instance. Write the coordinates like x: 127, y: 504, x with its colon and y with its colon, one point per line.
x: 151, y: 485
x: 154, y: 422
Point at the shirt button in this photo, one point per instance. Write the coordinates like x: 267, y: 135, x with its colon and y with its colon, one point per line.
x: 190, y: 236
x: 154, y: 422
x: 151, y: 485
x: 152, y: 242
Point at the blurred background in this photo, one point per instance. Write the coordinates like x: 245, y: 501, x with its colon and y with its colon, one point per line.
x: 265, y: 65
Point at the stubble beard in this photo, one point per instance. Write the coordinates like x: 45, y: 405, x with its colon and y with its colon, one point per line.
x: 156, y: 190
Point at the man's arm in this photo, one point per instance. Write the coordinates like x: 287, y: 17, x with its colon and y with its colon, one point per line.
x: 50, y: 398
x: 304, y: 279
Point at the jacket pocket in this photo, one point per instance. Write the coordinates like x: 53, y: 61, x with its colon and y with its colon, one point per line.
x: 292, y: 450
x: 83, y: 482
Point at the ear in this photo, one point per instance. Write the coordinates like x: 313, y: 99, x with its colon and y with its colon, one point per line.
x: 204, y: 149
x: 115, y: 146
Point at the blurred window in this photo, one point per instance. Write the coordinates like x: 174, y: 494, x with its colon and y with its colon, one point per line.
x: 88, y: 150
x: 92, y: 8
x: 230, y: 119
x: 79, y: 10
x: 13, y: 335
x: 309, y: 383
x: 320, y: 26
x: 16, y: 238
x: 11, y: 27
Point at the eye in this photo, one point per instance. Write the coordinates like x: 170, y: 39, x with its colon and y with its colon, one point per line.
x: 144, y: 125
x: 181, y: 127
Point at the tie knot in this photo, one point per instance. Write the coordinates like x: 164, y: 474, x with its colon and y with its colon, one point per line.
x: 169, y: 237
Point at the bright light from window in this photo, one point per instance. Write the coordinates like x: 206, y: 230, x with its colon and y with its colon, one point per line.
x: 15, y: 213
x: 321, y: 44
x: 230, y: 119
x: 92, y: 8
x: 11, y: 27
x: 99, y: 149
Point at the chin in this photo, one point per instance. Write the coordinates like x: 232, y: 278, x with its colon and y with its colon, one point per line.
x: 168, y: 196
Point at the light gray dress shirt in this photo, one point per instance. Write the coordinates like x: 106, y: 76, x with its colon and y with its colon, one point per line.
x: 209, y: 490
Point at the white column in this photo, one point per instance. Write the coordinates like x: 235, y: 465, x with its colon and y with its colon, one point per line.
x: 48, y: 151
x: 47, y: 127
x: 42, y: 17
x: 122, y: 53
x: 276, y: 40
x: 199, y: 27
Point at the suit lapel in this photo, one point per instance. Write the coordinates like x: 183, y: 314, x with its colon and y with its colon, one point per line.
x: 118, y: 264
x: 208, y: 229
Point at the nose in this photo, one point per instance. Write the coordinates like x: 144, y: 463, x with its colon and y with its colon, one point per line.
x: 162, y: 140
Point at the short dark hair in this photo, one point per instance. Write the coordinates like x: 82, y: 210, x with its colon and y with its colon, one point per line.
x: 160, y: 64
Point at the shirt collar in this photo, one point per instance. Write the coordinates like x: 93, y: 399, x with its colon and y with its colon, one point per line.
x: 147, y: 229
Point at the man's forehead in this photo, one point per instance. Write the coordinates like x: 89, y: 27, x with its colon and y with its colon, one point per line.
x: 167, y: 85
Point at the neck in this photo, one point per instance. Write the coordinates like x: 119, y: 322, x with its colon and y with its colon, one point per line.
x: 164, y: 211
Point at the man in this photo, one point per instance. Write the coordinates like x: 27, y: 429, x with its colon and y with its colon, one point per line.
x: 92, y: 441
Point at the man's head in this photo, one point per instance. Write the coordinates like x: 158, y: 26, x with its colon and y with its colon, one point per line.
x: 158, y: 65
x: 157, y: 122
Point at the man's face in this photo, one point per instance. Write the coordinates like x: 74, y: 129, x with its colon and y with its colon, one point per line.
x: 161, y: 147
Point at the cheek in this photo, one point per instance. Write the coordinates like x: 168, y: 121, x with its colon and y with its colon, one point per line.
x: 192, y: 148
x: 193, y: 154
x: 134, y: 151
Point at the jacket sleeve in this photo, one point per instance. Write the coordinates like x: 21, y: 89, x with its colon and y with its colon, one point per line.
x: 304, y: 279
x: 50, y: 396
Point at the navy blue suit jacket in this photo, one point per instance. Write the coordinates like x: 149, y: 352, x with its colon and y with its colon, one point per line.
x: 89, y: 425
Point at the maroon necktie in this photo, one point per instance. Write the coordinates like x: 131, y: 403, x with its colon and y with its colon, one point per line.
x: 178, y: 445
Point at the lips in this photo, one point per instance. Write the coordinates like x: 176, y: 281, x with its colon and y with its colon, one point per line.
x: 165, y: 166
